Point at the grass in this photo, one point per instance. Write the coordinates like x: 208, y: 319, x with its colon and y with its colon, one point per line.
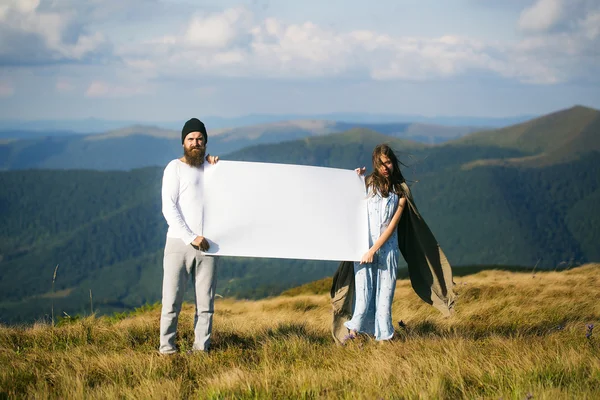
x: 516, y: 335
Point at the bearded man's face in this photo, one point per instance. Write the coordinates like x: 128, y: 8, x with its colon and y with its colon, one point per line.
x: 194, y: 149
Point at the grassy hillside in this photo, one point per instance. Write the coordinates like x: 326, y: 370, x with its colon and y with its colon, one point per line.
x: 555, y: 138
x: 558, y: 137
x: 19, y: 134
x: 279, y: 131
x: 106, y: 231
x: 135, y: 130
x: 487, y: 215
x: 141, y: 146
x: 513, y: 216
x: 353, y: 148
x: 79, y: 152
x: 343, y: 150
x: 515, y: 335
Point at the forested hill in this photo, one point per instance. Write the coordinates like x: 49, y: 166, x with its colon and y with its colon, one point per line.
x: 106, y: 232
x: 555, y: 138
x: 141, y: 146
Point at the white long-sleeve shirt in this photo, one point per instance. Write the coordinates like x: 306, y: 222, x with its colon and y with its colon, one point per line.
x: 182, y: 200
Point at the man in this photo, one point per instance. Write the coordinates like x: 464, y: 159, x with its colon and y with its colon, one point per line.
x: 182, y: 205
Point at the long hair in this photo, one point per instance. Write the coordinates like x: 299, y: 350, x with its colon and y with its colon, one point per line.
x: 379, y: 183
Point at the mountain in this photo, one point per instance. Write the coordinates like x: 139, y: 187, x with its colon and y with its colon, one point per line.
x: 491, y: 214
x: 141, y: 146
x: 296, y: 129
x: 17, y: 134
x: 558, y: 137
x: 78, y: 126
x: 571, y: 132
x: 97, y: 125
x: 341, y: 150
x: 106, y: 232
x: 135, y: 130
x: 364, y: 119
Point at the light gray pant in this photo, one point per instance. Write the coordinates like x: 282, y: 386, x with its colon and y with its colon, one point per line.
x: 181, y: 262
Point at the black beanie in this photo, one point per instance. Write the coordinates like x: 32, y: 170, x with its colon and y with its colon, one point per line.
x: 194, y: 125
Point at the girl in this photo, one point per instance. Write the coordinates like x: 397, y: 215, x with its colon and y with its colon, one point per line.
x: 375, y: 275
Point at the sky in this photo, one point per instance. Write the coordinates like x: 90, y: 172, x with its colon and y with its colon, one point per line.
x: 159, y: 60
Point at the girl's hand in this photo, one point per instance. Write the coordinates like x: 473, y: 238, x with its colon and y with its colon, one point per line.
x: 367, y: 258
x: 360, y: 171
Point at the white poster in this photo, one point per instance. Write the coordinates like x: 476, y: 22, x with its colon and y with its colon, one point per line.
x: 284, y: 211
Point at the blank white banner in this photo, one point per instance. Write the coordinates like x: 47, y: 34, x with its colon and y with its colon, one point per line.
x: 284, y: 211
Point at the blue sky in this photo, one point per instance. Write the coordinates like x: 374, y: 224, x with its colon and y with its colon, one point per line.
x: 159, y: 60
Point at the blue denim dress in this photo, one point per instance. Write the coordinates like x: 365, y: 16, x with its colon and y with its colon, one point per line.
x: 376, y: 282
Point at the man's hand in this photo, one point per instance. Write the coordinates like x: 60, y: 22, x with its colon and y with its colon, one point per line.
x: 367, y: 258
x: 201, y: 243
x: 212, y: 159
x: 360, y: 171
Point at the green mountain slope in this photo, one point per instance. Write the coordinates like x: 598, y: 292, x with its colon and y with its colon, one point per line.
x: 344, y: 150
x: 558, y: 137
x: 141, y: 146
x: 510, y: 215
x: 106, y: 231
x: 116, y: 153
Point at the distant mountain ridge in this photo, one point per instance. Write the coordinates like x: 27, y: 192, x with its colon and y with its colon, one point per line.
x: 106, y: 231
x: 294, y: 129
x: 98, y: 125
x: 141, y: 146
x: 344, y: 149
x: 135, y: 130
x: 554, y: 138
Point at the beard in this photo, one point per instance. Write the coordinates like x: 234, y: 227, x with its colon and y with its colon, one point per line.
x: 194, y: 156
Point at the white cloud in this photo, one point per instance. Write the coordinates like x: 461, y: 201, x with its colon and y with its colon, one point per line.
x: 423, y: 59
x: 551, y: 16
x: 229, y: 57
x: 561, y: 41
x: 218, y: 30
x: 541, y: 16
x: 25, y: 6
x: 32, y: 32
x: 299, y: 49
x: 271, y: 48
x: 557, y: 45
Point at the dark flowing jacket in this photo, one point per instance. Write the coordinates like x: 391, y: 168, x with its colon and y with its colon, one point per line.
x: 429, y: 270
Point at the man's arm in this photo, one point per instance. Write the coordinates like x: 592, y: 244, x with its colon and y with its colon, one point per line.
x: 170, y: 210
x: 200, y: 241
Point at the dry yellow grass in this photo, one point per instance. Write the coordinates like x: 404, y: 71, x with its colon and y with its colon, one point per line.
x: 515, y: 335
